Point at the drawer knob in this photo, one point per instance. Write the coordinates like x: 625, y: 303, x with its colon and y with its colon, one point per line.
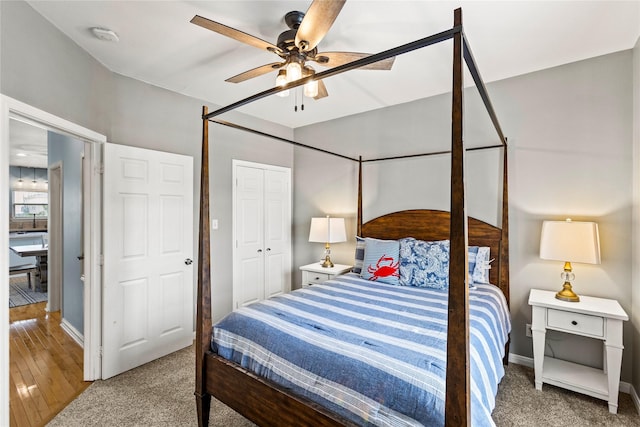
x: 574, y: 323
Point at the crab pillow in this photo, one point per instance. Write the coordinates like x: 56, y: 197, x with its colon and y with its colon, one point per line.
x: 381, y: 261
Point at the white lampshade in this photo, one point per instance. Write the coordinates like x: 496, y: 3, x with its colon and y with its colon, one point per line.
x: 570, y: 241
x: 327, y: 230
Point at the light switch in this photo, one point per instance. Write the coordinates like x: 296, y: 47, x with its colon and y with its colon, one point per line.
x: 214, y: 224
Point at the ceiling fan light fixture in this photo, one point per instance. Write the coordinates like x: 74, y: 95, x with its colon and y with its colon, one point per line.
x: 281, y: 80
x: 311, y: 87
x: 294, y: 69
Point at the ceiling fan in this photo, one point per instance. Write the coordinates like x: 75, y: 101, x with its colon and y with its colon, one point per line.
x: 297, y: 46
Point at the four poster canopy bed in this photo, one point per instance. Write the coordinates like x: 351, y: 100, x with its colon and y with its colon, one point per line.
x: 362, y: 352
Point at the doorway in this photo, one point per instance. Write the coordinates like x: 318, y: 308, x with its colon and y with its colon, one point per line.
x: 13, y: 109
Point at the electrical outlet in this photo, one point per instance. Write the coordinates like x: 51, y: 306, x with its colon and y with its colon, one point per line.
x: 528, y: 329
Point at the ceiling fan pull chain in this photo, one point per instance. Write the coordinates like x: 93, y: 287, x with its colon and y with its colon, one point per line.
x: 301, y: 98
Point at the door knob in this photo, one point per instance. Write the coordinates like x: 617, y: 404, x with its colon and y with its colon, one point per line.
x: 188, y: 261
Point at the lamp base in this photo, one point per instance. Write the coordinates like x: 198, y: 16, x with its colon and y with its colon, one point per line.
x: 567, y: 294
x: 327, y: 262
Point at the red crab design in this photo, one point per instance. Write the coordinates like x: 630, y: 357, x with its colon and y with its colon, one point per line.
x: 390, y: 269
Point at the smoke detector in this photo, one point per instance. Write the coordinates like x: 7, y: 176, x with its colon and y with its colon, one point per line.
x: 105, y: 34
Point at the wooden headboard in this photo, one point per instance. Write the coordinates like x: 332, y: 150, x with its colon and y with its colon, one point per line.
x: 426, y: 224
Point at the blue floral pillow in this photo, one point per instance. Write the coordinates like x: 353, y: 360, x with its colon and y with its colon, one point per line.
x: 381, y: 261
x: 359, y: 257
x: 424, y: 264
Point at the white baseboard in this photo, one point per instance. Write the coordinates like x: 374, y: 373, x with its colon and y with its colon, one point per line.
x: 624, y: 386
x: 72, y: 332
x: 521, y: 360
x: 635, y: 398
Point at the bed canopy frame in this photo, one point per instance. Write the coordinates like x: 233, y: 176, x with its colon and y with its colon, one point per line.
x: 268, y: 404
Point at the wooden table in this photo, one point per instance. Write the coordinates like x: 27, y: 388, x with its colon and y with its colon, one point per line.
x: 40, y: 252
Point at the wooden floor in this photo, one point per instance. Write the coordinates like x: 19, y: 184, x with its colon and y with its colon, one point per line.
x: 45, y: 372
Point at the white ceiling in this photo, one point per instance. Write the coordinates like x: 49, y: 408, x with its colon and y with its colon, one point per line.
x: 160, y: 46
x: 28, y: 145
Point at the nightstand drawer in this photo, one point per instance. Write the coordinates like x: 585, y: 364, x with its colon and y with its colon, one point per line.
x: 315, y: 278
x: 582, y: 324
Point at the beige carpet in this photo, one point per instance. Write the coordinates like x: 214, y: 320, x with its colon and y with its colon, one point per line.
x: 161, y: 394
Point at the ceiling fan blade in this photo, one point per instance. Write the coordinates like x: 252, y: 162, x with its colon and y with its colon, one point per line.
x: 333, y: 59
x: 234, y: 34
x: 255, y: 72
x: 316, y: 23
x: 322, y: 91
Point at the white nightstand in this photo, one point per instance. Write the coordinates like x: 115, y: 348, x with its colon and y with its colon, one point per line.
x: 597, y: 318
x: 315, y: 273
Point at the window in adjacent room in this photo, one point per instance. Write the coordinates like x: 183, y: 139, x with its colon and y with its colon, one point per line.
x: 26, y: 204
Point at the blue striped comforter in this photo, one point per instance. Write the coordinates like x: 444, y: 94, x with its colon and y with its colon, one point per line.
x: 374, y: 353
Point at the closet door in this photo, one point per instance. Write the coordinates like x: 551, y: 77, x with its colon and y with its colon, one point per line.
x: 262, y: 232
x: 277, y: 233
x: 248, y: 275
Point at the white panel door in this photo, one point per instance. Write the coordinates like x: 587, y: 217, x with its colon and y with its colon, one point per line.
x: 249, y: 223
x: 262, y: 232
x: 148, y: 245
x: 277, y: 224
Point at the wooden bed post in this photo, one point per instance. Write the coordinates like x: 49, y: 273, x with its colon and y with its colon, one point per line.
x: 504, y: 248
x: 457, y: 405
x: 203, y: 322
x: 359, y: 232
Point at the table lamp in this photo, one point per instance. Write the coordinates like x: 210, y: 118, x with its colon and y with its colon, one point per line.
x: 570, y: 241
x: 327, y: 230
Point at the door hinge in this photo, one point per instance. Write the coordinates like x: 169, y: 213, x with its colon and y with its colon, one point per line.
x: 101, y: 352
x: 99, y: 169
x: 101, y: 260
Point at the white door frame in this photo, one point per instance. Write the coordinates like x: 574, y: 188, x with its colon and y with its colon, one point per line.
x: 12, y: 108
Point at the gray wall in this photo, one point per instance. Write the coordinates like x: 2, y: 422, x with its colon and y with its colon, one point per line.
x: 68, y: 151
x: 635, y: 315
x: 74, y: 86
x: 570, y: 139
x: 43, y: 68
